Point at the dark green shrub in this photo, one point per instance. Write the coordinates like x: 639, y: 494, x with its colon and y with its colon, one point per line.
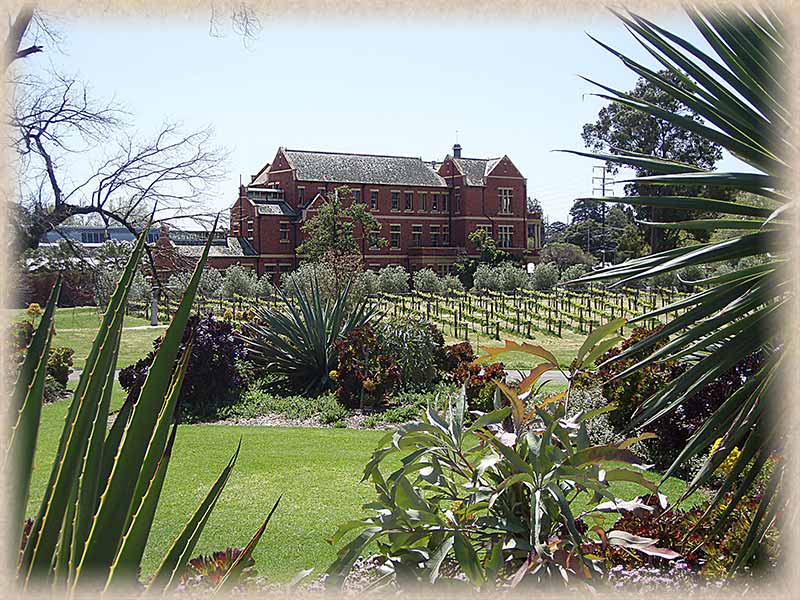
x: 628, y: 393
x: 331, y: 411
x: 59, y: 364
x: 259, y: 399
x: 212, y: 379
x: 59, y: 360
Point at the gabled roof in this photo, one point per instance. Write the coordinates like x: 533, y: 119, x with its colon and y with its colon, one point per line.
x: 274, y: 207
x: 233, y: 246
x: 260, y: 178
x: 376, y: 169
x: 475, y: 170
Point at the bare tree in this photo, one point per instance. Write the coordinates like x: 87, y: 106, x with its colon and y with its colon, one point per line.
x: 78, y: 157
x: 27, y: 33
x: 29, y: 22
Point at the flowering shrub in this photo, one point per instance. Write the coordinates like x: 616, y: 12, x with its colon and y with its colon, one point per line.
x: 34, y: 310
x: 365, y: 374
x: 212, y: 377
x: 727, y: 464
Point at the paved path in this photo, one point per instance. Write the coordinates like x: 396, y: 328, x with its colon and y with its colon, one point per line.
x: 75, y: 375
x: 134, y: 328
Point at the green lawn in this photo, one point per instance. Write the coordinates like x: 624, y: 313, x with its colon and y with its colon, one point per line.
x: 564, y: 348
x: 79, y: 317
x: 317, y: 471
x: 77, y: 327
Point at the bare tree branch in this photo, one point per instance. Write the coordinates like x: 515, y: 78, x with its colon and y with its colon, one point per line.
x: 58, y: 128
x: 13, y: 45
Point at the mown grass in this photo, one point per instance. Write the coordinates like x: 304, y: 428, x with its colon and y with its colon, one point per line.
x: 317, y: 471
x: 77, y: 327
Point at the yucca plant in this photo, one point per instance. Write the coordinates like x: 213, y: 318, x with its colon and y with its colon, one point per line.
x: 295, y: 341
x: 740, y: 95
x: 95, y: 516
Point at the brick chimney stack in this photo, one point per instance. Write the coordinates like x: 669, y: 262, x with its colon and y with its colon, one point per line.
x: 457, y: 151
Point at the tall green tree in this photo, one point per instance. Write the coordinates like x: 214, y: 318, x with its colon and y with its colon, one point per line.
x: 586, y: 209
x: 334, y: 228
x: 622, y: 128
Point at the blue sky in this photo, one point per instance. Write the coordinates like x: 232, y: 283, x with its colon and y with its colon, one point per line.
x: 387, y: 87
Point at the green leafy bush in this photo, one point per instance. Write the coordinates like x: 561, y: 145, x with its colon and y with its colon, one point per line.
x: 629, y: 393
x: 393, y: 280
x: 59, y: 359
x: 239, y: 281
x: 329, y: 275
x: 59, y: 364
x: 415, y: 345
x: 503, y: 277
x: 259, y: 400
x: 492, y: 501
x: 573, y: 272
x: 452, y: 283
x: 545, y: 276
x: 425, y: 280
x: 565, y: 255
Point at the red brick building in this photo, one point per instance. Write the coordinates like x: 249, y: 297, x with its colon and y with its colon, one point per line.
x: 426, y: 209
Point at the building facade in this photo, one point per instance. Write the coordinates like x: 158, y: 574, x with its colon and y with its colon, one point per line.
x: 426, y: 209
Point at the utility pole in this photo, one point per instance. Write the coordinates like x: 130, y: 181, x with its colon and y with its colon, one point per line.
x: 604, y: 180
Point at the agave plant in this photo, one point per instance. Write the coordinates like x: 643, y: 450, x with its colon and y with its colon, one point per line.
x: 97, y: 510
x: 741, y: 98
x: 295, y: 341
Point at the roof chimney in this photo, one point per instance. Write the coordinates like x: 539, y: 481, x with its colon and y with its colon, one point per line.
x: 457, y: 150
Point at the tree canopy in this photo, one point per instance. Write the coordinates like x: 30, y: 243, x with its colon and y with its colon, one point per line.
x: 620, y: 128
x: 340, y: 227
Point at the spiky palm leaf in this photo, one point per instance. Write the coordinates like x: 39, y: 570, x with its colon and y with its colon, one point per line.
x: 740, y: 96
x: 98, y: 506
x: 295, y: 341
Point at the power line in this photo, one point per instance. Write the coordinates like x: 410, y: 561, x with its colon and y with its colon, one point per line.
x: 604, y: 181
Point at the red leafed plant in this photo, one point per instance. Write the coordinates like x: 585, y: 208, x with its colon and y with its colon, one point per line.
x: 365, y: 374
x: 208, y: 570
